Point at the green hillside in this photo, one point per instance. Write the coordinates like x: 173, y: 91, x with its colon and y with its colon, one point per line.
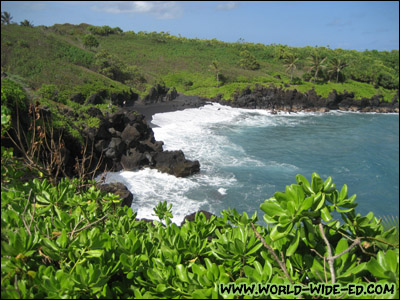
x: 63, y: 55
x: 62, y: 236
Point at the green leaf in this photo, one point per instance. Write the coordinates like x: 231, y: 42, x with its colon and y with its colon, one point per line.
x: 294, y: 244
x: 355, y: 270
x: 267, y: 270
x: 301, y: 180
x: 95, y: 253
x: 161, y: 288
x: 389, y: 260
x: 254, y: 249
x: 63, y: 239
x: 316, y: 183
x: 182, y: 273
x: 309, y: 232
x: 50, y: 244
x: 283, y: 220
x: 340, y: 210
x: 340, y: 247
x: 281, y: 197
x: 343, y: 193
x: 327, y: 183
x: 251, y: 273
x: 291, y: 207
x: 42, y: 200
x: 239, y: 245
x: 130, y: 275
x: 375, y: 268
x: 325, y: 214
x: 307, y: 203
x: 272, y: 208
x: 279, y: 231
x: 320, y: 200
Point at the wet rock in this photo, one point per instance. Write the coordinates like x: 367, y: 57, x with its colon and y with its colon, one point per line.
x: 134, y: 161
x: 97, y: 98
x: 191, y: 217
x: 78, y: 98
x: 120, y: 190
x: 160, y: 93
x: 95, y: 112
x: 130, y: 134
x: 277, y: 99
x: 175, y: 163
x: 115, y: 148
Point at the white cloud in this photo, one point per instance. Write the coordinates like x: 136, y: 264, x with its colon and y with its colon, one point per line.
x: 159, y: 9
x: 228, y: 5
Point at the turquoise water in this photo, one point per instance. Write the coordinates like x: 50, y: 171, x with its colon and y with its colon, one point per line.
x: 247, y: 155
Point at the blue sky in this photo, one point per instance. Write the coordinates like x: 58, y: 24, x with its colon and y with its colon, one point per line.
x: 358, y: 25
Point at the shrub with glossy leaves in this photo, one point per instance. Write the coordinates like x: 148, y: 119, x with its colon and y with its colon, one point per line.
x: 59, y: 241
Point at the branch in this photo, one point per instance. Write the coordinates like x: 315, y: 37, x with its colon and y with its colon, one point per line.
x: 357, y: 241
x: 331, y: 258
x: 23, y: 214
x: 88, y: 225
x: 330, y: 261
x: 281, y: 263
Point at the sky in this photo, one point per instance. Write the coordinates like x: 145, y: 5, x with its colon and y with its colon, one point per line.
x: 349, y: 25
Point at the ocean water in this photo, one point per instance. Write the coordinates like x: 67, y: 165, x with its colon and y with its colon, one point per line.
x: 248, y: 155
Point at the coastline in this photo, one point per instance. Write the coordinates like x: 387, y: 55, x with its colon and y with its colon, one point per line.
x: 271, y: 99
x: 162, y: 186
x: 181, y: 102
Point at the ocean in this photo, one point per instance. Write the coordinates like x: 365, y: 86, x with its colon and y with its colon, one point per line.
x: 247, y: 155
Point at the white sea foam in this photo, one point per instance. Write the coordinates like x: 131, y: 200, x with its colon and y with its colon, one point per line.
x: 150, y: 187
x: 222, y: 191
x: 199, y: 133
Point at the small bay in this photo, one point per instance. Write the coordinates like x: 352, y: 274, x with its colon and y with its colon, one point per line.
x: 247, y: 155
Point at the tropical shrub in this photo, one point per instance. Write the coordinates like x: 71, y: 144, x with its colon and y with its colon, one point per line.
x: 90, y: 41
x: 248, y: 61
x: 104, y: 30
x: 12, y: 95
x: 49, y: 91
x: 62, y: 242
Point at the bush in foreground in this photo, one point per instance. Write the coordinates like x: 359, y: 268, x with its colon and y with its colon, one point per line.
x: 65, y: 241
x: 58, y: 242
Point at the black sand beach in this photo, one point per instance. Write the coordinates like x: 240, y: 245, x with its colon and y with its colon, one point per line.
x: 180, y: 103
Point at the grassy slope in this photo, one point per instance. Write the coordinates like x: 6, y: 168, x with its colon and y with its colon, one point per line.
x: 56, y: 55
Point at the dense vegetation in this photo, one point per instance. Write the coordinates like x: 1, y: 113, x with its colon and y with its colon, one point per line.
x: 66, y: 239
x: 63, y: 238
x: 59, y: 241
x: 70, y: 56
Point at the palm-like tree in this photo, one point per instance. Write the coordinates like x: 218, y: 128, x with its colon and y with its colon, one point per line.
x: 5, y: 18
x: 290, y: 63
x: 337, y: 65
x: 215, y: 67
x: 317, y: 64
x: 26, y: 23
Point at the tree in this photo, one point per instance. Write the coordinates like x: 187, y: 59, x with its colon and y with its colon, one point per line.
x: 215, y: 67
x: 290, y: 63
x: 5, y: 18
x: 26, y: 23
x: 90, y: 41
x: 248, y: 61
x: 109, y: 65
x: 317, y: 64
x: 337, y: 65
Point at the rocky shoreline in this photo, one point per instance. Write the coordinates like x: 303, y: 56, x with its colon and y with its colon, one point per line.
x: 126, y: 140
x: 181, y: 102
x: 277, y: 99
